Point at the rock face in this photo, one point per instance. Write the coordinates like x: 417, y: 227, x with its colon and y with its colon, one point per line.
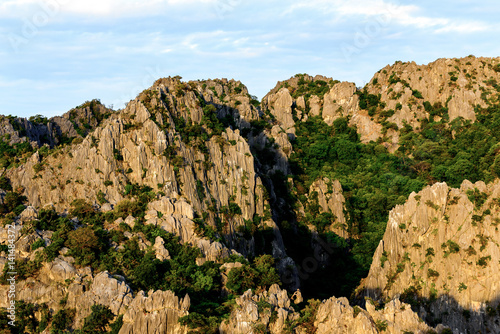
x: 215, y: 164
x: 271, y: 312
x: 146, y: 144
x: 442, y: 246
x: 158, y: 312
x: 337, y: 316
x: 267, y: 311
x: 151, y: 313
x: 39, y: 131
x: 401, y: 89
x: 328, y: 195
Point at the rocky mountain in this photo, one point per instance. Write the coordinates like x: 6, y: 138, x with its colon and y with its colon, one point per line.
x: 403, y: 93
x: 440, y: 252
x: 197, y: 208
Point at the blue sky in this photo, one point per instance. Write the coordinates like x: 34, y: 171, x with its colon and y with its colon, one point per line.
x: 56, y: 54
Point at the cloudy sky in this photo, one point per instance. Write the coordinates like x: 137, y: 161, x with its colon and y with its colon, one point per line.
x: 56, y: 54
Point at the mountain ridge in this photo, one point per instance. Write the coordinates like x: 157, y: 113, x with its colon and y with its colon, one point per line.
x: 295, y: 190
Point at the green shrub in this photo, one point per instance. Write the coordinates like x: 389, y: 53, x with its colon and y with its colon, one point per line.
x: 381, y: 325
x: 308, y: 315
x: 13, y: 202
x: 477, y: 197
x: 84, y: 245
x: 417, y: 94
x: 62, y: 321
x: 98, y: 320
x: 450, y: 247
x: 432, y: 273
x: 37, y: 244
x: 38, y: 167
x: 5, y: 183
x: 260, y: 274
x: 483, y: 261
x: 429, y: 252
x: 383, y: 259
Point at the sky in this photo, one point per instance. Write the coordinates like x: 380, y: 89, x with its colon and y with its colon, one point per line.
x: 57, y: 54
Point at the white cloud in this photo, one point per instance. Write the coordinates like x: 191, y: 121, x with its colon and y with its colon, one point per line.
x: 96, y: 8
x: 466, y: 27
x: 389, y: 12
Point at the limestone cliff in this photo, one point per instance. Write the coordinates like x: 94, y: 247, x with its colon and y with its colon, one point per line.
x: 272, y: 312
x: 440, y: 251
x: 39, y: 131
x: 164, y: 139
x: 204, y: 164
x: 399, y: 94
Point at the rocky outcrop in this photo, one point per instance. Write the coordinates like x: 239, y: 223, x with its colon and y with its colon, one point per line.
x: 335, y: 315
x: 154, y: 313
x: 130, y: 148
x: 60, y: 285
x: 268, y: 311
x: 280, y: 105
x: 215, y: 166
x: 401, y: 89
x: 339, y: 101
x: 441, y: 247
x: 328, y: 196
x: 272, y: 312
x: 455, y: 83
x: 39, y: 131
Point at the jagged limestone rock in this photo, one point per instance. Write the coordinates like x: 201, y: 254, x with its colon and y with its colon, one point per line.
x: 155, y: 313
x: 271, y: 311
x: 441, y: 246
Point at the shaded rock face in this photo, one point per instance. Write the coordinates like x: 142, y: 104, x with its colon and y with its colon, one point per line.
x: 39, y: 131
x: 442, y: 246
x: 328, y: 195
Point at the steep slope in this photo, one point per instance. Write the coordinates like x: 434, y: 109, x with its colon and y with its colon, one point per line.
x: 379, y: 145
x: 440, y: 252
x: 171, y: 140
x: 39, y: 131
x: 196, y: 190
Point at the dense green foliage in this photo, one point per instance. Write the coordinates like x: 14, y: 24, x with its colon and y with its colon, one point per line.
x: 62, y: 321
x: 455, y: 151
x: 98, y: 320
x: 261, y: 274
x: 308, y: 88
x: 11, y: 155
x: 373, y: 180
